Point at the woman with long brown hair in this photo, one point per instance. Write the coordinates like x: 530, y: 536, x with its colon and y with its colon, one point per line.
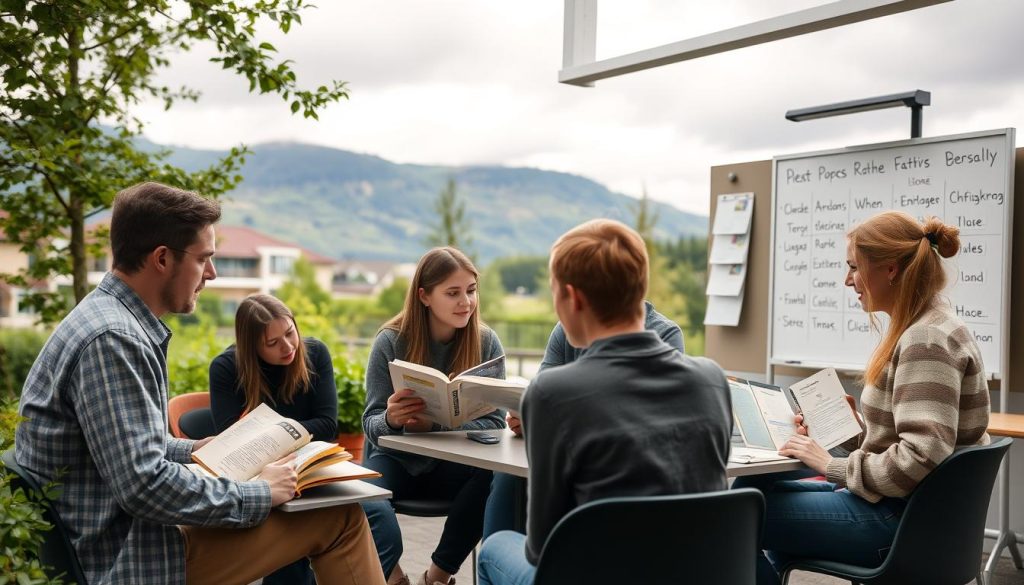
x: 925, y: 394
x: 439, y: 326
x: 271, y: 363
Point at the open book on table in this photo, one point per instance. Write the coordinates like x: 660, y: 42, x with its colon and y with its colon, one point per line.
x: 453, y: 402
x: 264, y: 436
x: 764, y: 415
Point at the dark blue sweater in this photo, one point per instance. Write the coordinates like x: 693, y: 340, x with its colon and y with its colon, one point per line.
x: 315, y: 408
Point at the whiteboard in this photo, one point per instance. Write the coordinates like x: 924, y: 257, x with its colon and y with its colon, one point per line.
x: 814, y: 319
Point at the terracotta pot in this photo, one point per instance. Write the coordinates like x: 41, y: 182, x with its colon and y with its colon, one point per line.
x: 353, y: 443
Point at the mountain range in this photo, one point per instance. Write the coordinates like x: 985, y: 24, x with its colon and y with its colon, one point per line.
x: 349, y: 205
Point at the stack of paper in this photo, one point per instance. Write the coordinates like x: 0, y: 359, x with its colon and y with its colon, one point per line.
x: 729, y: 245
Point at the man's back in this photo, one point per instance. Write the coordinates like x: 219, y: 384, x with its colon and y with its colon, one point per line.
x: 631, y: 417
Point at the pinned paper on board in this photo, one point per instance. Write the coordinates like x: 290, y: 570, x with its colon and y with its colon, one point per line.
x: 729, y: 248
x: 724, y: 310
x: 733, y: 214
x: 730, y: 244
x: 726, y: 279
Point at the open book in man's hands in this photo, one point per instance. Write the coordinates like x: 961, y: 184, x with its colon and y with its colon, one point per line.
x: 264, y: 436
x: 764, y: 414
x: 453, y: 402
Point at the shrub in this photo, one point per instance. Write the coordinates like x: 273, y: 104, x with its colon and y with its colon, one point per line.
x: 21, y: 524
x: 192, y: 349
x: 18, y: 350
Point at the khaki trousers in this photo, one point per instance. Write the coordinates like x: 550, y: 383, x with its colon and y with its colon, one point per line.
x: 336, y: 540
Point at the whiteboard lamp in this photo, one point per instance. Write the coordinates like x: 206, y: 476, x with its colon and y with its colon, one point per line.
x: 915, y: 100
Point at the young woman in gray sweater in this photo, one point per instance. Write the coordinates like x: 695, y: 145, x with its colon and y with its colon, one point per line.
x: 439, y: 326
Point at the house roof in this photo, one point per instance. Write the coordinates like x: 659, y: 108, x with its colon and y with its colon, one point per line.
x: 244, y: 242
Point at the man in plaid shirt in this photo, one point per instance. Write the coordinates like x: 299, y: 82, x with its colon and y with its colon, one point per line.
x: 95, y: 403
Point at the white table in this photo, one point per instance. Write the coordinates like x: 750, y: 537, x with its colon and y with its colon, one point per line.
x: 509, y: 455
x: 338, y: 493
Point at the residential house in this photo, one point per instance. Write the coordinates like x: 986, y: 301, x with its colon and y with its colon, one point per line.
x: 13, y: 261
x: 247, y: 262
x: 365, y: 278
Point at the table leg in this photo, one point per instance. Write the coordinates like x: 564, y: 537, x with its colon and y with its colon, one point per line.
x: 520, y: 504
x: 1007, y: 538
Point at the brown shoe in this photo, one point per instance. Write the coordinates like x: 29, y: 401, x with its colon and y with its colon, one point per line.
x: 403, y: 581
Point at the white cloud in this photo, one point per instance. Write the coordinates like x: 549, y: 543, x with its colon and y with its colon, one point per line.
x: 463, y: 82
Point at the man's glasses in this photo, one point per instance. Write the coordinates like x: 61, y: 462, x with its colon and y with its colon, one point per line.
x: 196, y: 254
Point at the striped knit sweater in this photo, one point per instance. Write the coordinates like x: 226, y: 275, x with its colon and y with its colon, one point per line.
x: 934, y: 399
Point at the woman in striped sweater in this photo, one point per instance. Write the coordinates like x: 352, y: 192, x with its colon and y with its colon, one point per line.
x: 924, y: 395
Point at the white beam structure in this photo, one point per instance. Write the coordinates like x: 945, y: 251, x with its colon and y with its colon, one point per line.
x: 579, y: 66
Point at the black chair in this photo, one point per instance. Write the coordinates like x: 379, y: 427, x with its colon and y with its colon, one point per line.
x: 197, y: 424
x: 940, y: 536
x: 427, y: 509
x: 57, y: 553
x: 709, y: 537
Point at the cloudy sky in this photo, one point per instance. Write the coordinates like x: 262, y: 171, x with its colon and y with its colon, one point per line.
x: 465, y: 82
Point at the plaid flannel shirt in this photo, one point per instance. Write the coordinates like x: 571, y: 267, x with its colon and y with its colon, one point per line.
x: 95, y: 401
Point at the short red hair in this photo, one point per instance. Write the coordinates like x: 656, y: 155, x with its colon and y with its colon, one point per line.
x: 607, y: 262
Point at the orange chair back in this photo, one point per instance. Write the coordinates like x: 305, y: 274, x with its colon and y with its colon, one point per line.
x: 181, y: 404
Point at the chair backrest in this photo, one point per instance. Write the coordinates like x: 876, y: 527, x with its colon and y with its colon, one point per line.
x: 57, y: 553
x: 941, y: 534
x: 197, y: 424
x: 182, y: 403
x: 711, y: 537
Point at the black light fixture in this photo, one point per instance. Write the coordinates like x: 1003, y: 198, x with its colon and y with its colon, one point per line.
x: 915, y: 100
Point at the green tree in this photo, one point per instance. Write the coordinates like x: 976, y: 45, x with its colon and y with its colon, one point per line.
x: 644, y: 220
x: 392, y: 298
x: 659, y: 284
x: 490, y: 293
x: 66, y: 66
x: 453, y: 228
x: 520, y: 272
x: 302, y: 293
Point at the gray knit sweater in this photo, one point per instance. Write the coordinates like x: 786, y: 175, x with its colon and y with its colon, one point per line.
x: 933, y: 399
x: 387, y: 347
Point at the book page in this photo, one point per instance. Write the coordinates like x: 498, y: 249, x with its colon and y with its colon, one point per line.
x: 315, y: 451
x: 749, y: 455
x: 776, y: 412
x: 426, y: 383
x: 492, y: 368
x: 246, y: 447
x: 343, y: 471
x: 827, y: 416
x: 492, y: 393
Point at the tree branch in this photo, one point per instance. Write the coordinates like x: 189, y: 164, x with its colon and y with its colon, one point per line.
x: 112, y: 77
x: 129, y: 29
x: 35, y: 166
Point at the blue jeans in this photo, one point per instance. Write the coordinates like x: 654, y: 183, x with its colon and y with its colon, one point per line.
x: 813, y: 519
x: 502, y: 560
x: 501, y: 512
x: 386, y: 536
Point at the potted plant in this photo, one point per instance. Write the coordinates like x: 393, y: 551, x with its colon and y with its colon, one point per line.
x: 349, y: 378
